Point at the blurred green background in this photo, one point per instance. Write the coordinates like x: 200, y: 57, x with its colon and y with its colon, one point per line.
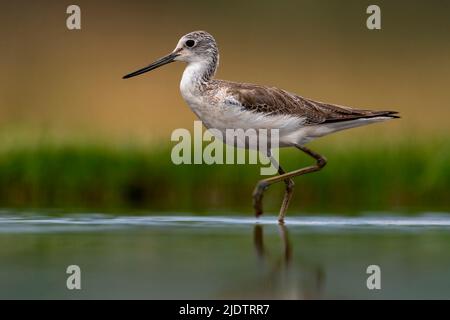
x: 74, y: 135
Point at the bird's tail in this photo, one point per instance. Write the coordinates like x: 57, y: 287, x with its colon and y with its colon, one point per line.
x: 362, y: 120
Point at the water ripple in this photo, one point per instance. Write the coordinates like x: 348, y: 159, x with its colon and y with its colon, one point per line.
x: 17, y: 223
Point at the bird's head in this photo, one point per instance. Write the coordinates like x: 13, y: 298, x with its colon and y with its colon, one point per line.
x: 193, y: 47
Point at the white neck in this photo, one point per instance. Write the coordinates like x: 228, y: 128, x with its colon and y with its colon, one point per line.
x: 192, y: 75
x: 197, y: 74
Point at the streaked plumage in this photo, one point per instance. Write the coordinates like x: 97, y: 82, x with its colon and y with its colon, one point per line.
x: 225, y: 105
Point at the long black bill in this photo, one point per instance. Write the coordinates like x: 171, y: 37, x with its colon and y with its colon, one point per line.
x: 159, y: 63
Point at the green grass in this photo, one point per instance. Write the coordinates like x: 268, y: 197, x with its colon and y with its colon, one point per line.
x: 404, y: 176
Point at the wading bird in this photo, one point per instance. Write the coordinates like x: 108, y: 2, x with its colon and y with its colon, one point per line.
x: 225, y: 105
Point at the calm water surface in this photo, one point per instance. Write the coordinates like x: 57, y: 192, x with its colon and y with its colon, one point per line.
x: 191, y: 257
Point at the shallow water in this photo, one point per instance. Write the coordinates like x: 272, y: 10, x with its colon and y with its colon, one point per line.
x: 192, y: 257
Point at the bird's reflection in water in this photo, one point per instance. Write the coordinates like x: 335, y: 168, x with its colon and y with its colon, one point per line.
x: 286, y: 278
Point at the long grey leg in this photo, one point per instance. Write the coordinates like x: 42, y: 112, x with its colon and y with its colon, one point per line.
x: 262, y: 185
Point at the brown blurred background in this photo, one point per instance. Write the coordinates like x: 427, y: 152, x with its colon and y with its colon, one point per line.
x: 67, y: 84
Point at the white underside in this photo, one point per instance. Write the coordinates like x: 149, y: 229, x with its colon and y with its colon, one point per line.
x: 305, y: 134
x: 292, y: 130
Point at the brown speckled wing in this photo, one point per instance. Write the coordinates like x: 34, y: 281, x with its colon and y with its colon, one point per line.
x: 274, y: 101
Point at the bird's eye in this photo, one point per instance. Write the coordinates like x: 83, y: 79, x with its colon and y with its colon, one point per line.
x: 190, y: 43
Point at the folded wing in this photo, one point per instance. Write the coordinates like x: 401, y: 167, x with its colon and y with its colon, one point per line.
x: 274, y: 101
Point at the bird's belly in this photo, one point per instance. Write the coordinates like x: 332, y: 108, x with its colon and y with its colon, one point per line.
x: 224, y: 117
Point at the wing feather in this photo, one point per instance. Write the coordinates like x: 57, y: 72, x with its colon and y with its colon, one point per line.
x: 274, y: 101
